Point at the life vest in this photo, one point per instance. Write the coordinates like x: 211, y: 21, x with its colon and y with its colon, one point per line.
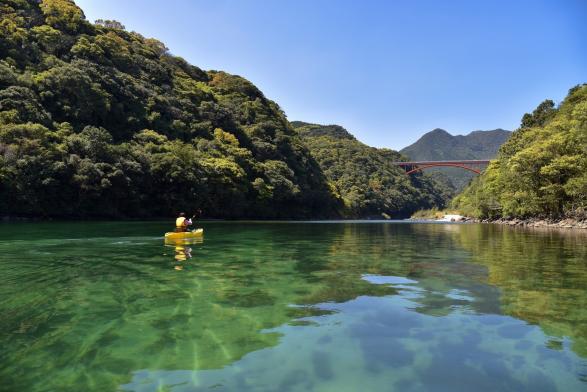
x: 180, y: 222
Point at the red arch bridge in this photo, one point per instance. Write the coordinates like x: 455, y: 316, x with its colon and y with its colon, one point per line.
x: 472, y: 165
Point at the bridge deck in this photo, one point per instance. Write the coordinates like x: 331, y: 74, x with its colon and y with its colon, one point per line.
x: 455, y: 162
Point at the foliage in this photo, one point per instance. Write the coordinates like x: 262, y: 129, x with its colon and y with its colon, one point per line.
x: 365, y: 178
x: 112, y: 24
x: 541, y: 170
x: 63, y: 15
x: 538, y: 118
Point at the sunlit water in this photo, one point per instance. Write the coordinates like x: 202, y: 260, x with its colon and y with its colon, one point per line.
x: 292, y: 307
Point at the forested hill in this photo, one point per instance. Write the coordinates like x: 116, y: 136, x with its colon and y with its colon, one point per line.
x: 364, y: 176
x: 541, y: 171
x: 438, y: 145
x: 96, y: 121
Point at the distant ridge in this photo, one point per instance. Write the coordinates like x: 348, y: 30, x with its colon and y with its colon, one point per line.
x: 438, y: 145
x: 365, y: 177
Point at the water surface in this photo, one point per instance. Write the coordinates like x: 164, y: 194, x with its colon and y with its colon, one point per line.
x: 292, y: 307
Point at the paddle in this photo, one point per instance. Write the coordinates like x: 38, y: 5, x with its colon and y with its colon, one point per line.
x: 198, y: 212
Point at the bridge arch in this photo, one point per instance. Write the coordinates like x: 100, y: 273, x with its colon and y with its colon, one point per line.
x: 420, y: 168
x: 470, y: 165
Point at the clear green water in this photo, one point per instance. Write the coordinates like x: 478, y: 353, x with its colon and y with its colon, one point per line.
x: 292, y: 307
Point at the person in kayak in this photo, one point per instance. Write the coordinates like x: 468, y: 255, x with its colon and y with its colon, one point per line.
x: 181, y: 223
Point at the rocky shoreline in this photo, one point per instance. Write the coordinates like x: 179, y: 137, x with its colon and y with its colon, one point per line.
x: 567, y: 223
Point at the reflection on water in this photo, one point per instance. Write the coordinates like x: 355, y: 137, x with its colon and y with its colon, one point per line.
x: 182, y: 249
x: 259, y: 306
x: 541, y: 274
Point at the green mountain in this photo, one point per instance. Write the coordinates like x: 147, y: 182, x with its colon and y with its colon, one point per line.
x: 364, y: 176
x: 439, y: 145
x: 541, y: 171
x: 96, y: 121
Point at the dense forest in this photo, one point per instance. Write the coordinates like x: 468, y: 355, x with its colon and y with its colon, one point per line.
x: 541, y: 171
x: 365, y: 178
x: 439, y: 145
x: 96, y: 121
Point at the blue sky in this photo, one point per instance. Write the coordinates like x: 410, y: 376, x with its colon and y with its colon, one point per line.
x: 388, y: 71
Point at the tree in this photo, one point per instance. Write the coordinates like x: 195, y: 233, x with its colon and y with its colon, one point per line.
x: 63, y: 15
x: 544, y: 112
x: 111, y: 24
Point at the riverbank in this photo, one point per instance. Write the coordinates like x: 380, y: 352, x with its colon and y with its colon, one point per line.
x: 567, y: 223
x: 453, y: 216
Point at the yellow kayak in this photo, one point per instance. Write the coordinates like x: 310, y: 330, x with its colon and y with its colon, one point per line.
x: 184, y: 235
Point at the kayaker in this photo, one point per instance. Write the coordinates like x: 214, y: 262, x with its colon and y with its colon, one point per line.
x: 181, y: 223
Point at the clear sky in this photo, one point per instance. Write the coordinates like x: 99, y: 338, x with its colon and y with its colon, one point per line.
x: 388, y: 71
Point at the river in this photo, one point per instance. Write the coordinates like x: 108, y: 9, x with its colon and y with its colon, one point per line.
x: 292, y: 306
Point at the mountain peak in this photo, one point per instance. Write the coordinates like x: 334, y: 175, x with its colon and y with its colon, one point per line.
x: 439, y: 144
x: 438, y: 131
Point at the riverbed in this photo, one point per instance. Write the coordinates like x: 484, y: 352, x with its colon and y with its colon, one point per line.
x: 292, y: 306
